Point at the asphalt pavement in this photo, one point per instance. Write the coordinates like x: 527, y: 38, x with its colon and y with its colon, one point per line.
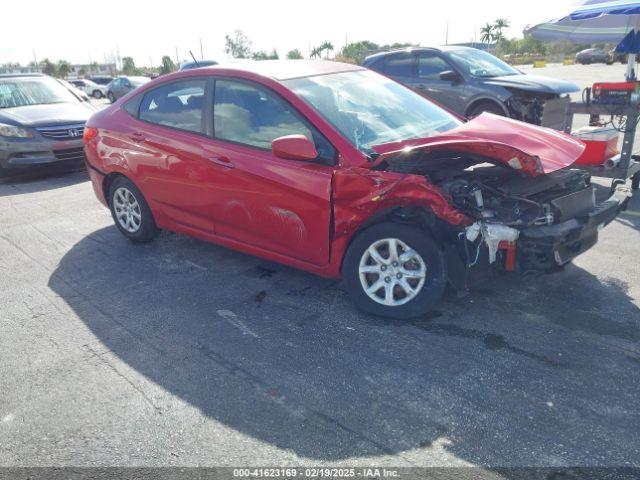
x: 184, y: 353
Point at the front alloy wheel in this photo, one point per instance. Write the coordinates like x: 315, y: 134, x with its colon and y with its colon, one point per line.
x: 392, y: 273
x: 394, y: 270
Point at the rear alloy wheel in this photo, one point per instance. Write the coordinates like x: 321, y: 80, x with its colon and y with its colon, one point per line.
x: 130, y: 211
x: 394, y: 270
x: 97, y: 94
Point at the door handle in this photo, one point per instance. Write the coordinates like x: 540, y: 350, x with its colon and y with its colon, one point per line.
x: 222, y: 161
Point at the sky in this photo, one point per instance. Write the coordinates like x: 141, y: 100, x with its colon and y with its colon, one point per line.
x: 146, y: 30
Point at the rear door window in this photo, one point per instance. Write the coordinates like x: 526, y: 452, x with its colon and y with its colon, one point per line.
x: 177, y: 105
x: 399, y: 65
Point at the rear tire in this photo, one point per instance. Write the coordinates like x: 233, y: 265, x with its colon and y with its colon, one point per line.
x: 97, y: 94
x: 416, y: 276
x: 130, y: 211
x: 487, y: 106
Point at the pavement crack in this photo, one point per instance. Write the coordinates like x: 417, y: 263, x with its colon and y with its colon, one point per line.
x: 137, y: 388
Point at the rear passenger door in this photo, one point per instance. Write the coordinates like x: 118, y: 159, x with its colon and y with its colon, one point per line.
x: 166, y: 147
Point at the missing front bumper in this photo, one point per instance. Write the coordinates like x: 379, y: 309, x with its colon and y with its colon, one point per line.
x: 545, y: 248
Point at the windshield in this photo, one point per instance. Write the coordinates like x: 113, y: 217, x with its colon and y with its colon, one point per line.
x: 20, y: 92
x: 481, y: 64
x: 370, y: 109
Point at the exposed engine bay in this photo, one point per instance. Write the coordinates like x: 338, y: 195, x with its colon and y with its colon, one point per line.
x: 497, y: 193
x: 502, y: 201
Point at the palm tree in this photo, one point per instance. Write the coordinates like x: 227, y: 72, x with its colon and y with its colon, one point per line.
x: 316, y: 52
x: 501, y: 24
x: 487, y: 33
x: 327, y: 47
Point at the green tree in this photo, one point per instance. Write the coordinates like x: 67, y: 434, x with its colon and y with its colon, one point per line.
x: 63, y: 68
x: 238, y: 45
x: 397, y: 45
x: 262, y: 55
x: 316, y: 52
x: 48, y: 68
x: 486, y: 32
x: 167, y: 65
x: 498, y: 27
x: 326, y: 47
x: 294, y: 54
x: 129, y: 66
x: 356, y: 51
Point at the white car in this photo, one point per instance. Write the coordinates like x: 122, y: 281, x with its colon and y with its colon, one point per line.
x: 90, y: 88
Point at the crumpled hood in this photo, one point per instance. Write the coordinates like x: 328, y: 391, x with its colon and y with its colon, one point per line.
x: 528, y: 148
x: 534, y: 83
x: 51, y: 114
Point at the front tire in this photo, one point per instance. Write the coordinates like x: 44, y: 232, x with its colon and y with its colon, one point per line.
x: 111, y: 97
x: 394, y: 270
x: 130, y: 211
x: 97, y: 94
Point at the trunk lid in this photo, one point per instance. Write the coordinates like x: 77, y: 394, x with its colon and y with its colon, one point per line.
x: 524, y: 147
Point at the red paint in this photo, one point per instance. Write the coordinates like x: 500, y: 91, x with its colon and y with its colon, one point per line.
x: 294, y: 147
x: 510, y: 255
x: 89, y: 134
x: 299, y: 213
x: 539, y: 150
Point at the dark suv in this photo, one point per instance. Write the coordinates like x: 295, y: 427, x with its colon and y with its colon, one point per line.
x: 469, y: 81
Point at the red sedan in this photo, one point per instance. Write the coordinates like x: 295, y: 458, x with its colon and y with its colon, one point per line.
x: 339, y: 171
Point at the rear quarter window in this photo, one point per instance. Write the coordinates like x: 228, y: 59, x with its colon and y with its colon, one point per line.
x: 131, y: 107
x: 178, y: 105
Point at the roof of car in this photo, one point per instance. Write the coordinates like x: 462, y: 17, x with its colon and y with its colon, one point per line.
x: 443, y: 48
x: 287, y: 69
x: 16, y: 75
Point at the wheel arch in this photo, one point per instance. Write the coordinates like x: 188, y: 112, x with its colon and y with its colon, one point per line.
x: 108, y: 180
x: 492, y: 100
x: 421, y: 216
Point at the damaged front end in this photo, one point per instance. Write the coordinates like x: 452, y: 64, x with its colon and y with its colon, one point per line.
x: 527, y: 210
x: 527, y: 107
x: 544, y: 109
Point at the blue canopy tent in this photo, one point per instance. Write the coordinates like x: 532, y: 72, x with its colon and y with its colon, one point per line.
x: 597, y: 21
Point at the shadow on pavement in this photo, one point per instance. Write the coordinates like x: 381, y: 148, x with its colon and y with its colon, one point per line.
x: 530, y: 372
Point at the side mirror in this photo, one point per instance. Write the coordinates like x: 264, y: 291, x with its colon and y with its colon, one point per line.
x: 450, y: 76
x: 294, y: 147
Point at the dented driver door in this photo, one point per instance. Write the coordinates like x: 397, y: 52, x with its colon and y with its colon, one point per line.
x: 279, y: 205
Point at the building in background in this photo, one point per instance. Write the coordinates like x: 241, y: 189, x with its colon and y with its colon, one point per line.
x: 89, y: 69
x: 16, y: 68
x: 77, y: 70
